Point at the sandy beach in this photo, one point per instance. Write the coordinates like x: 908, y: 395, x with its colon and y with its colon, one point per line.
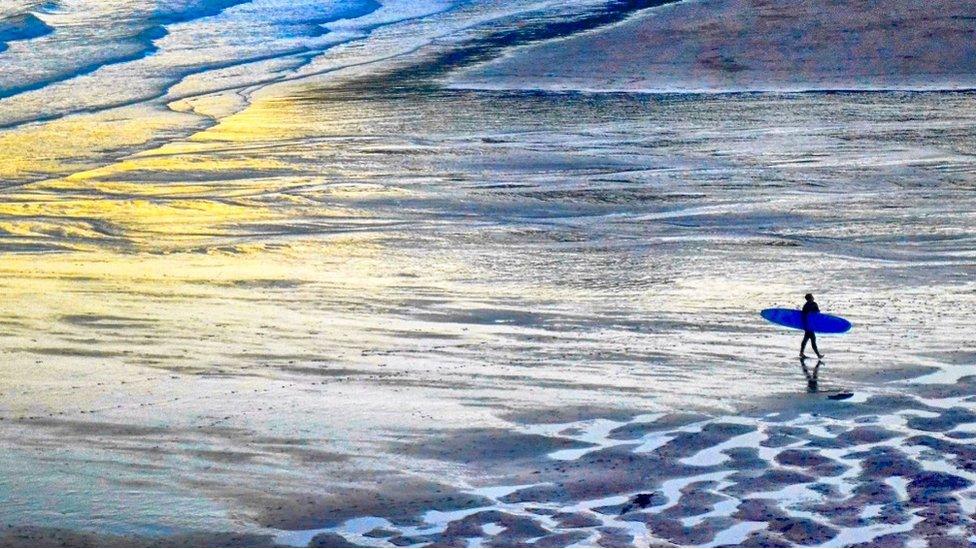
x: 879, y: 469
x: 753, y: 45
x: 350, y: 301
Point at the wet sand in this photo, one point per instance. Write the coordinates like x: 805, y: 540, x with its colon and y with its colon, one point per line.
x: 402, y: 351
x: 380, y: 313
x: 753, y: 45
x: 886, y: 467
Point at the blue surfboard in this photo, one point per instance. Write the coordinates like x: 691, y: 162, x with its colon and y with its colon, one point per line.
x: 818, y: 322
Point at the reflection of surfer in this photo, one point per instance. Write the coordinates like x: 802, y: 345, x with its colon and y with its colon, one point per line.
x: 810, y: 375
x: 809, y: 308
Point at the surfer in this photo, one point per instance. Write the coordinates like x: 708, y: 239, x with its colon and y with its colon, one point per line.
x: 809, y: 308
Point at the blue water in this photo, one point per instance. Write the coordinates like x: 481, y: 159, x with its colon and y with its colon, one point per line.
x: 70, y: 57
x: 84, y: 55
x: 23, y: 27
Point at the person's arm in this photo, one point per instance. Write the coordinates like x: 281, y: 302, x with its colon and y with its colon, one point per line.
x: 808, y: 308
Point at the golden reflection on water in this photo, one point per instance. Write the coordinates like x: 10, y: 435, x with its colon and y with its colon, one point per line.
x: 197, y: 236
x: 183, y: 195
x: 293, y: 191
x: 277, y: 119
x: 68, y: 144
x: 209, y: 255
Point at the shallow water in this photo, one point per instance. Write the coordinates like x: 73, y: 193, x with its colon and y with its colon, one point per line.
x: 246, y: 329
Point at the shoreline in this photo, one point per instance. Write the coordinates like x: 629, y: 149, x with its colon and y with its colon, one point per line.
x: 753, y: 45
x: 215, y: 102
x: 671, y: 92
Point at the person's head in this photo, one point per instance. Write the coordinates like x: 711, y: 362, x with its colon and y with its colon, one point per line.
x: 808, y: 297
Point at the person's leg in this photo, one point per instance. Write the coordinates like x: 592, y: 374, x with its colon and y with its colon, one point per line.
x: 803, y: 344
x: 813, y: 343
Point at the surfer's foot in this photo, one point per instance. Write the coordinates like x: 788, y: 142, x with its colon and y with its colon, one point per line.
x: 803, y: 356
x: 820, y: 355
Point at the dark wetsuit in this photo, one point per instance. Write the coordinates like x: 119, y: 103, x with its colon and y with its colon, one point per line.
x: 809, y: 308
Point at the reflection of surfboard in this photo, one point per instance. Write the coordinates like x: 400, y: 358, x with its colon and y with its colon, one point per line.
x: 818, y: 322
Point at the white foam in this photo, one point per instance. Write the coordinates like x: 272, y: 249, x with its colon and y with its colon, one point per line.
x: 498, y: 492
x: 736, y: 534
x: 492, y: 528
x: 714, y: 456
x: 861, y: 534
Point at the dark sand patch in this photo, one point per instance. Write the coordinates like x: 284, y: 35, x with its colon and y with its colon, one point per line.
x: 30, y: 536
x: 516, y: 529
x: 865, y: 435
x: 636, y: 430
x: 688, y: 444
x: 381, y: 533
x: 226, y: 456
x: 886, y: 540
x: 861, y: 428
x: 734, y: 45
x: 72, y: 352
x: 945, y: 421
x: 76, y: 428
x: 696, y: 499
x: 563, y: 539
x: 327, y: 539
x: 814, y: 463
x: 614, y: 537
x: 568, y: 414
x: 801, y: 531
x: 576, y: 520
x: 675, y: 532
x: 484, y: 446
x: 767, y: 481
x: 400, y: 500
x: 600, y: 473
x: 882, y: 462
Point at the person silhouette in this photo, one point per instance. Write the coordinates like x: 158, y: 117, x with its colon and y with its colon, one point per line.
x: 811, y: 375
x: 809, y: 308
